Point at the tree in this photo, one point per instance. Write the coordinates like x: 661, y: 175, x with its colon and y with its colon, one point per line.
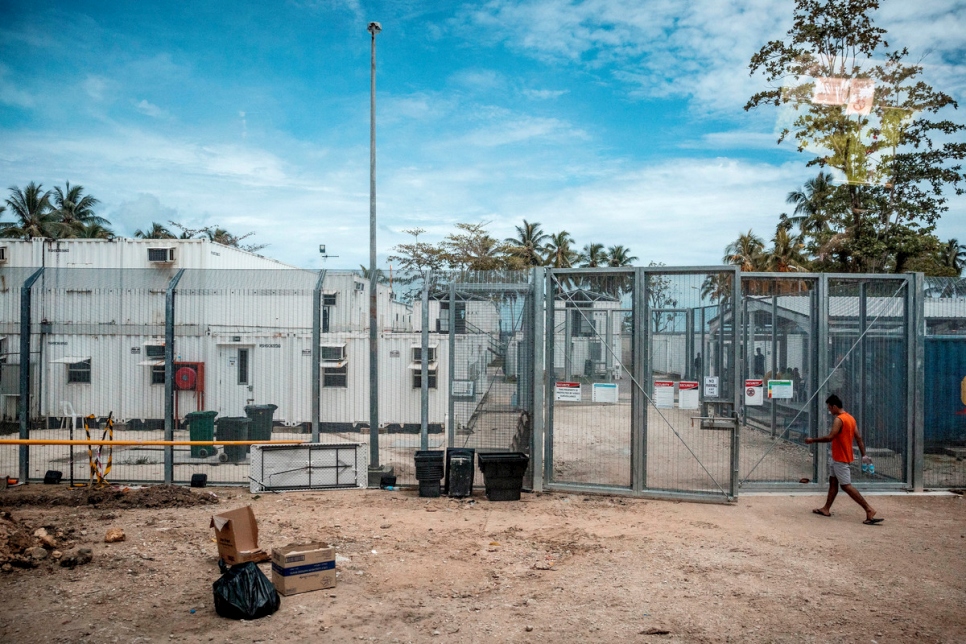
x: 217, y: 235
x: 473, y: 249
x: 32, y: 209
x: 592, y: 256
x: 75, y: 209
x: 559, y: 250
x: 92, y: 230
x: 528, y: 247
x: 156, y: 231
x: 418, y: 261
x: 954, y: 256
x: 746, y: 252
x: 784, y: 255
x: 871, y: 121
x: 620, y: 256
x: 659, y: 296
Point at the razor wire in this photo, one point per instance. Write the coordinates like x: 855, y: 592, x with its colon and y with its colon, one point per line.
x: 808, y: 402
x: 640, y: 388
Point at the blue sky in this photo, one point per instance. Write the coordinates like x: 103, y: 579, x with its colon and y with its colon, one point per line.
x: 619, y: 121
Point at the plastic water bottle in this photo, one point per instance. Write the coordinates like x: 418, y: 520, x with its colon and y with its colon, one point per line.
x: 871, y: 469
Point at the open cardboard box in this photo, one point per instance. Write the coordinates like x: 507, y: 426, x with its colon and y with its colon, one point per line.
x: 237, y: 534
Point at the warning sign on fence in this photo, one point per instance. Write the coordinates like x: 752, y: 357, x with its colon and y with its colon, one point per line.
x: 688, y: 394
x: 754, y: 393
x: 567, y: 391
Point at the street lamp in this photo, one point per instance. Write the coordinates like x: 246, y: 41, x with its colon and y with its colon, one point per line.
x: 373, y: 28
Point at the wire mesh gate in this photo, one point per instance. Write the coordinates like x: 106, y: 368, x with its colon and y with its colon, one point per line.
x: 642, y: 381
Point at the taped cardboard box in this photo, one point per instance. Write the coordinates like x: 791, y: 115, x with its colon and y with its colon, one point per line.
x: 299, y: 568
x: 237, y: 536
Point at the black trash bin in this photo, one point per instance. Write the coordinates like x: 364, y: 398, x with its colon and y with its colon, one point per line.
x: 503, y: 474
x: 201, y: 427
x: 261, y: 415
x: 429, y: 470
x: 459, y: 471
x: 233, y: 428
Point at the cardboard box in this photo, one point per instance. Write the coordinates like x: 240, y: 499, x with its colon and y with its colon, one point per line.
x: 237, y: 536
x: 299, y: 568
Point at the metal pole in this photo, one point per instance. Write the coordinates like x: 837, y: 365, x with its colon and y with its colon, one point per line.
x: 25, y: 372
x: 451, y: 430
x: 169, y: 376
x: 424, y: 368
x: 550, y: 377
x: 915, y: 380
x: 822, y: 349
x: 774, y: 361
x: 373, y: 28
x: 640, y: 343
x: 737, y: 390
x: 316, y: 355
x: 537, y: 379
x: 860, y: 388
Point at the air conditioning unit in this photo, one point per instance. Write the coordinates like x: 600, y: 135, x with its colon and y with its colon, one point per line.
x: 161, y: 255
x: 3, y: 254
x: 360, y: 286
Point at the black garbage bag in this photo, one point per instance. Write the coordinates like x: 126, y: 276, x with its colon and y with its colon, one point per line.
x: 244, y: 592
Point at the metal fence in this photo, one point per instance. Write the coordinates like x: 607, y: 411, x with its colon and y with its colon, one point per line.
x: 620, y: 380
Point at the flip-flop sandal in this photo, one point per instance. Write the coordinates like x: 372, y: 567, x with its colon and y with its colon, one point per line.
x: 873, y: 521
x: 821, y: 514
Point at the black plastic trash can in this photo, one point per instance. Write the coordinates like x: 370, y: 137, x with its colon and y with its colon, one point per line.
x: 429, y: 465
x: 261, y: 415
x: 459, y: 471
x: 201, y: 427
x: 234, y: 428
x: 503, y: 474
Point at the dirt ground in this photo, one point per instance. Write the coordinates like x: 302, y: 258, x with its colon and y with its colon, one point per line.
x: 551, y: 567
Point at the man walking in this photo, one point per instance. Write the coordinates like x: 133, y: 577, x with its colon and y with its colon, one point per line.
x: 841, y: 435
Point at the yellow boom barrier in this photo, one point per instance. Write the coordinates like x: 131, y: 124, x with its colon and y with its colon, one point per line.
x: 41, y: 441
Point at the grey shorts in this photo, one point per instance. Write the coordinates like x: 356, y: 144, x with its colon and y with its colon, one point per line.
x: 841, y: 471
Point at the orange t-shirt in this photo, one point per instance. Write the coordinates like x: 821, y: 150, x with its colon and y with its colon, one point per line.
x: 842, y: 443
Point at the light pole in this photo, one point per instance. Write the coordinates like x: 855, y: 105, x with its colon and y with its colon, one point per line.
x: 373, y: 28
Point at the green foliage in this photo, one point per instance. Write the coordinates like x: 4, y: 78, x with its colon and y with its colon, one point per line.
x: 895, y: 172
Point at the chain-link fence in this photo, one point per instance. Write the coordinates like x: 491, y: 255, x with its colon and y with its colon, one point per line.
x: 485, y: 361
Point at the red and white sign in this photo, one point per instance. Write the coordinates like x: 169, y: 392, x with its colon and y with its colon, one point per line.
x: 664, y: 394
x: 754, y: 393
x: 688, y: 394
x: 567, y: 391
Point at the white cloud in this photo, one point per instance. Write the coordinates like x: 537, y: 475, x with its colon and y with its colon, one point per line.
x: 150, y: 109
x: 544, y: 94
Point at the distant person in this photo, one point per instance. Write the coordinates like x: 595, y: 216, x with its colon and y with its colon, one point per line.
x: 797, y: 383
x: 841, y: 435
x: 697, y: 365
x: 759, y: 364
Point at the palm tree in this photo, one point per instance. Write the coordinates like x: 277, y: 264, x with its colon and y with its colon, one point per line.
x: 746, y: 252
x: 76, y: 209
x: 811, y: 204
x: 620, y: 256
x: 156, y: 231
x: 592, y: 256
x: 954, y: 255
x: 92, y: 230
x: 559, y: 250
x: 784, y: 255
x: 35, y: 218
x: 528, y: 246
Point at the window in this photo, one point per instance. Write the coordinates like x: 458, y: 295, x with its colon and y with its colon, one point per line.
x: 332, y: 353
x: 418, y: 379
x: 325, y: 320
x: 328, y: 299
x: 154, y: 351
x: 418, y: 354
x: 157, y: 375
x: 335, y: 376
x: 243, y: 366
x: 582, y: 323
x: 3, y: 350
x: 79, y: 372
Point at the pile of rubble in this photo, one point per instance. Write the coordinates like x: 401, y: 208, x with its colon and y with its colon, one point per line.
x: 23, y: 546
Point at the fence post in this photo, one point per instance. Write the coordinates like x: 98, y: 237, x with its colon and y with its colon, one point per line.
x: 451, y: 430
x: 821, y: 464
x: 640, y: 314
x: 169, y: 376
x: 424, y: 366
x: 316, y: 354
x: 25, y: 312
x: 916, y: 380
x: 538, y: 378
x: 549, y: 378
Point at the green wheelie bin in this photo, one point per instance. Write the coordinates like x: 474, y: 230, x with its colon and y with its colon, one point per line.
x: 233, y: 428
x: 201, y: 427
x: 261, y: 415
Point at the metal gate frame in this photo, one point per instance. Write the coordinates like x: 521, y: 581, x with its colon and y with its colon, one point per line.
x: 642, y: 380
